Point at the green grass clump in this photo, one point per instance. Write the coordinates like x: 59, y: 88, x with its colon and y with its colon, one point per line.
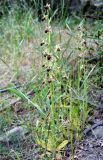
x: 49, y: 59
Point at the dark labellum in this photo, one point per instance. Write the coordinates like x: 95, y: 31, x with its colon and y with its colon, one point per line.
x: 43, y: 82
x: 46, y: 30
x: 47, y: 7
x: 43, y: 65
x: 42, y: 43
x: 85, y: 43
x: 49, y: 57
x: 49, y: 81
x: 45, y: 55
x: 48, y: 69
x: 49, y: 96
x: 43, y: 18
x: 58, y: 49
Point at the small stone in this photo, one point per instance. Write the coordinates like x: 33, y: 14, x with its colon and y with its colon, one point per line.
x: 98, y: 132
x: 15, y: 134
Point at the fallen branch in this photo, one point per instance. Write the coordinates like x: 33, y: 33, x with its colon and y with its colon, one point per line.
x: 94, y: 17
x: 94, y: 59
x: 87, y: 130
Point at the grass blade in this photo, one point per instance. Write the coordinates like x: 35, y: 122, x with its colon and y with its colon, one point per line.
x: 24, y: 97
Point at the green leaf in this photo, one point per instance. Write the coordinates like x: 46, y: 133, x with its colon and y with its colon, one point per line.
x: 62, y: 145
x: 43, y: 144
x: 100, y: 53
